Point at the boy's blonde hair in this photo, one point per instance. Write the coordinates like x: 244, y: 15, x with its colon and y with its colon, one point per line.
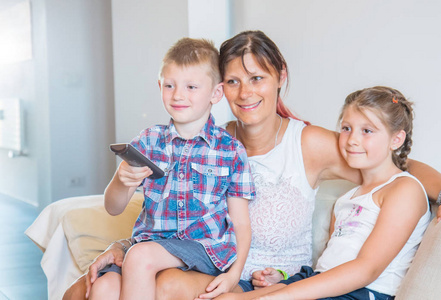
x: 189, y: 52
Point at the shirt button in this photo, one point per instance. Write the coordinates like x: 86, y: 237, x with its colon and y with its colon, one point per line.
x: 185, y: 149
x: 181, y: 175
x: 180, y: 203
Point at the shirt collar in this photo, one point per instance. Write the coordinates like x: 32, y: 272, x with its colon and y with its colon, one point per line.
x: 206, y: 133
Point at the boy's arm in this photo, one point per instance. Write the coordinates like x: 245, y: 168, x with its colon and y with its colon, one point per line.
x: 122, y: 187
x: 238, y: 211
x: 391, y: 229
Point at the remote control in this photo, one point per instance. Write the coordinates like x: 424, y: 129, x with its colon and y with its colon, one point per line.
x: 136, y: 159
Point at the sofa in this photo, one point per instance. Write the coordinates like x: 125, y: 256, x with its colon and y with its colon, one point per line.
x: 73, y: 231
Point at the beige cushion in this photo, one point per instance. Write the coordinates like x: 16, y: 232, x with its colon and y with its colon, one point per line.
x: 89, y: 231
x: 422, y: 281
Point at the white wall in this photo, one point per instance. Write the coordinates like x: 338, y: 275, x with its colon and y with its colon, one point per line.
x: 19, y: 80
x: 142, y: 33
x: 80, y: 94
x: 67, y: 90
x: 336, y: 47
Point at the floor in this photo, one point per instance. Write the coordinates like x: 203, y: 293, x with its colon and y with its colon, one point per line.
x: 21, y: 276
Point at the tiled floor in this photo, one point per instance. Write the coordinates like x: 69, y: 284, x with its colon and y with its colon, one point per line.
x: 21, y: 276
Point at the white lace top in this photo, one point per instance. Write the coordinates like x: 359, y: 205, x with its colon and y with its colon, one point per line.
x: 281, y: 214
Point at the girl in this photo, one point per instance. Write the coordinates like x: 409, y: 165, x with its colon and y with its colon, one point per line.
x: 376, y: 227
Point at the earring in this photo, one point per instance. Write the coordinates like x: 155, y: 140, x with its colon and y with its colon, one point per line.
x: 394, y: 148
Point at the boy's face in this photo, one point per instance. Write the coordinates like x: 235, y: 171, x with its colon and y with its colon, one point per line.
x: 188, y: 93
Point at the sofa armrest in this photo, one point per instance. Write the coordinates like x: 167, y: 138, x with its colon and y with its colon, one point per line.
x: 422, y: 279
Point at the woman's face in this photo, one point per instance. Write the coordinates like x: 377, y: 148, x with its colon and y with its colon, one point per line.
x: 252, y: 95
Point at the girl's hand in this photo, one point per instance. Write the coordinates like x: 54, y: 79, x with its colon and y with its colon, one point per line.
x: 113, y: 255
x: 223, y: 283
x: 266, y: 277
x: 132, y: 176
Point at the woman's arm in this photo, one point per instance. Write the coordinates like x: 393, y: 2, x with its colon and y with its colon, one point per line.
x: 114, y: 254
x: 429, y: 177
x: 404, y: 198
x: 322, y: 157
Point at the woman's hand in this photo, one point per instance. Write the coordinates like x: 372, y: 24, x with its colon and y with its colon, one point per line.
x: 132, y: 176
x: 113, y: 255
x: 266, y: 277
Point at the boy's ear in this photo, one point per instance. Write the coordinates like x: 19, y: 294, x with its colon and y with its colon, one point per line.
x: 218, y: 92
x: 398, y: 139
x: 159, y: 84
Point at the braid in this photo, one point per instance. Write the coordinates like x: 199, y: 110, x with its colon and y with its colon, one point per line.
x: 399, y: 156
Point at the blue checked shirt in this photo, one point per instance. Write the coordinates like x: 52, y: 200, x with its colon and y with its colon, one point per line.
x: 189, y: 202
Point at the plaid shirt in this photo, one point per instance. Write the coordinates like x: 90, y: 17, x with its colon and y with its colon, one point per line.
x: 189, y: 202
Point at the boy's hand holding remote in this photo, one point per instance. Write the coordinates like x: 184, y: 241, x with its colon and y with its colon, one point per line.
x: 132, y: 176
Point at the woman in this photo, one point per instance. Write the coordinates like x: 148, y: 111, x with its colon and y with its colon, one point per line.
x: 288, y: 163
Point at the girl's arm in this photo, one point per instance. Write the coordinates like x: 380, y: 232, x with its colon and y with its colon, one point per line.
x: 403, y: 197
x: 238, y: 211
x: 122, y: 187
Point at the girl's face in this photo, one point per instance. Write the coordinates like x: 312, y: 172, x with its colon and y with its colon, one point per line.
x: 365, y: 142
x: 252, y: 95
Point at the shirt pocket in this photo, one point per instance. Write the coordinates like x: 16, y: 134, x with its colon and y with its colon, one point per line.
x: 159, y: 189
x: 209, y: 182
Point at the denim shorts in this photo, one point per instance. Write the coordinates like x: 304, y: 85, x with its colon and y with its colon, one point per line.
x: 246, y: 285
x: 191, y: 253
x: 360, y: 294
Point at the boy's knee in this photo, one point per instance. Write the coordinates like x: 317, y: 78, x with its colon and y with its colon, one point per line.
x: 141, y: 255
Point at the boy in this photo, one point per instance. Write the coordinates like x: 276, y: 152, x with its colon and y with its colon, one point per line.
x: 184, y: 222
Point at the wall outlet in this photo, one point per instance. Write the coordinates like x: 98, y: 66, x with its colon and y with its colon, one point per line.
x: 78, y: 181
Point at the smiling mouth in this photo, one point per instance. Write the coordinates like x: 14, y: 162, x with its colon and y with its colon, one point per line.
x: 179, y: 107
x: 353, y: 152
x: 250, y: 106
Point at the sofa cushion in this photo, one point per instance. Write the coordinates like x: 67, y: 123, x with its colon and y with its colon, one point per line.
x: 327, y: 194
x: 89, y: 231
x: 422, y: 280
